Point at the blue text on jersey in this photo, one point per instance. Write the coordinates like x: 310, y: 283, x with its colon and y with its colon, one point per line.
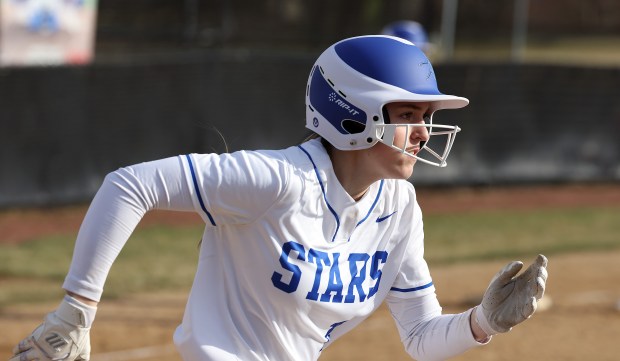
x: 364, y: 269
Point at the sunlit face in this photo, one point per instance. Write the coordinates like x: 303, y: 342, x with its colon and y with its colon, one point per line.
x: 389, y: 162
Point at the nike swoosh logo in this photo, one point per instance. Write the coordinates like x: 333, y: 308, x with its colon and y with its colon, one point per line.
x: 381, y: 219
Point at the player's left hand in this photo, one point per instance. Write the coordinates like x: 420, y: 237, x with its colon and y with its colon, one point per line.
x: 511, y: 299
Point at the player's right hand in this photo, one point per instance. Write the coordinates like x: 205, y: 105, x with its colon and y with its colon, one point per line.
x: 63, y: 335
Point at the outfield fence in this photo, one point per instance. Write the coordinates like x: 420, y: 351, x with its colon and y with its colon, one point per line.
x: 62, y: 129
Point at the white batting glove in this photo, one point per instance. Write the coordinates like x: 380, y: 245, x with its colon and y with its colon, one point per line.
x: 511, y: 299
x: 63, y: 335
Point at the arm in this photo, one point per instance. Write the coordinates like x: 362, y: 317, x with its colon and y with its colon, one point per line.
x: 426, y: 333
x: 84, y: 300
x: 119, y: 205
x: 125, y: 196
x: 508, y: 301
x: 476, y: 330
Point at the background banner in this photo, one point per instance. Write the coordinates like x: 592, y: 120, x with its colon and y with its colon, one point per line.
x: 46, y: 32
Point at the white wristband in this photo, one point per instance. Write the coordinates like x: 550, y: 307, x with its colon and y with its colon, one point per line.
x: 483, y: 322
x: 76, y: 312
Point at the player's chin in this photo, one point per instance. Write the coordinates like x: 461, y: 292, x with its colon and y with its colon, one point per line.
x: 405, y: 170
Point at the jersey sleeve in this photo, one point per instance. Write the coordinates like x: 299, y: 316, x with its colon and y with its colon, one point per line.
x: 425, y: 333
x: 413, y: 279
x: 120, y: 203
x: 234, y: 188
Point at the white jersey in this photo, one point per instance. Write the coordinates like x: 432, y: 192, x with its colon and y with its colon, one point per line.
x: 288, y: 261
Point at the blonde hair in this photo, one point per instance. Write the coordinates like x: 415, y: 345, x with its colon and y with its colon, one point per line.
x: 312, y: 135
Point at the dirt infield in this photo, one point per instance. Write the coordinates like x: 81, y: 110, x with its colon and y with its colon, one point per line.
x: 582, y: 321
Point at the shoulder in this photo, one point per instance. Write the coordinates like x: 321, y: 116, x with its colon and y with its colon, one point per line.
x: 302, y: 155
x: 254, y: 170
x: 240, y: 161
x: 310, y: 154
x: 298, y: 163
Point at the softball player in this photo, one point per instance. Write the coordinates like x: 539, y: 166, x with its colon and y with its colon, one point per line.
x: 412, y: 31
x: 301, y: 244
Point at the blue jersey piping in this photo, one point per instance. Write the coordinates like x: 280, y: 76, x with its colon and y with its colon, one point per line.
x: 195, y: 181
x: 316, y: 171
x: 412, y: 289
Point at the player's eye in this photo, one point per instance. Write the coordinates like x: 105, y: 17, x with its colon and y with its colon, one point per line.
x: 407, y: 116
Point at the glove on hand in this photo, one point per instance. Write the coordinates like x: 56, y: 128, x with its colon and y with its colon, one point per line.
x: 510, y: 300
x: 63, y: 335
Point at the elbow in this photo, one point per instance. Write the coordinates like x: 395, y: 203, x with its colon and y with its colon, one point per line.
x: 415, y: 347
x: 123, y: 185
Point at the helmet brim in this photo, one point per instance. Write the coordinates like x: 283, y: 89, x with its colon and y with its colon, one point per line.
x: 438, y: 101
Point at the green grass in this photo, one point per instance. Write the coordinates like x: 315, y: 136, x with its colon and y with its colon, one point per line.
x: 165, y: 257
x: 154, y: 258
x: 508, y: 233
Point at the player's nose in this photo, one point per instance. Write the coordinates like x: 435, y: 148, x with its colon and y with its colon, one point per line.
x: 419, y: 134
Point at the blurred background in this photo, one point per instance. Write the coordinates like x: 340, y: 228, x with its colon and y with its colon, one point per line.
x: 87, y: 86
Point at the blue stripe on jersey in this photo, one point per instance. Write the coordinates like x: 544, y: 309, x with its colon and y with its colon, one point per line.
x: 371, y: 207
x: 373, y: 204
x: 412, y: 289
x: 202, y: 205
x: 324, y: 195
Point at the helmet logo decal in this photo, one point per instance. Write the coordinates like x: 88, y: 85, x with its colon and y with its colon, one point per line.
x: 331, y: 106
x: 430, y: 69
x: 334, y: 98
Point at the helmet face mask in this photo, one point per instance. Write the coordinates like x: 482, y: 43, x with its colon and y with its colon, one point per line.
x: 428, y: 154
x: 352, y: 81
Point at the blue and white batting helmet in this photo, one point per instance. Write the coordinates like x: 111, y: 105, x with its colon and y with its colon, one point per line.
x: 352, y: 81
